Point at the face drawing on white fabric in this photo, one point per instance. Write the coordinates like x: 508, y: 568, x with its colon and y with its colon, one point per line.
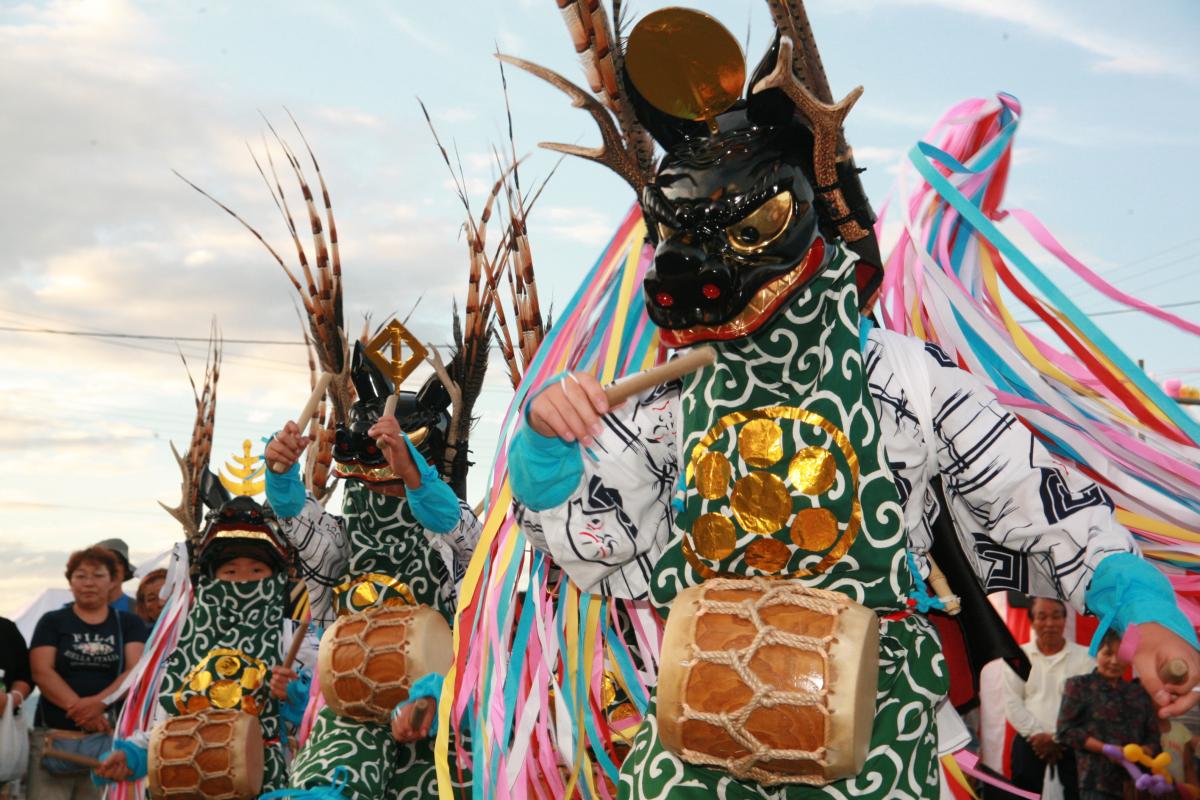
x: 597, y: 523
x: 655, y: 416
x: 654, y: 430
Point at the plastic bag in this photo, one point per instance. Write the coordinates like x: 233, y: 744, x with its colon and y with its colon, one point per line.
x: 1052, y: 786
x: 14, y: 743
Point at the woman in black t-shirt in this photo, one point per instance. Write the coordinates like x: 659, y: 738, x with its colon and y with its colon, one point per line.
x: 79, y: 654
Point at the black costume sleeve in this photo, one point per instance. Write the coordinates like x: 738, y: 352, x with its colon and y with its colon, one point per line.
x: 14, y: 655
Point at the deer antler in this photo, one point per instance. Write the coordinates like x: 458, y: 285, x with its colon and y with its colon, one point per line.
x: 613, y: 153
x: 194, y: 462
x: 826, y: 121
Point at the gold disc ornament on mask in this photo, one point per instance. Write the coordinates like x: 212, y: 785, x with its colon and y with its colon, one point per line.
x: 686, y: 64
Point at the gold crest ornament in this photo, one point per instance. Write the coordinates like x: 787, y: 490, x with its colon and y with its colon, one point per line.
x: 686, y: 64
x: 395, y: 338
x: 246, y: 476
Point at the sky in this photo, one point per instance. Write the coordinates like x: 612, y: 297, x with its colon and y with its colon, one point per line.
x: 102, y: 99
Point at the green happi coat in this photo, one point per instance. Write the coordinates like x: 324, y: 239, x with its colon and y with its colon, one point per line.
x: 783, y: 474
x: 377, y: 535
x: 230, y: 640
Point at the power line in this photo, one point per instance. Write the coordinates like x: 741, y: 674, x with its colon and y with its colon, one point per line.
x: 169, y: 338
x: 1114, y: 312
x: 100, y: 335
x: 1112, y: 271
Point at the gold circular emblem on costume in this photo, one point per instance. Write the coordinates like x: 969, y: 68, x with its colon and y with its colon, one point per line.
x: 225, y: 694
x: 200, y: 681
x: 714, y: 536
x: 760, y: 441
x: 608, y: 689
x: 713, y: 471
x: 767, y: 555
x: 227, y: 665
x: 761, y: 502
x: 812, y: 470
x: 250, y: 705
x: 814, y: 529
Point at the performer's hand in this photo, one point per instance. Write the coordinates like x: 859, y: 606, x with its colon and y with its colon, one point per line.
x: 280, y: 678
x: 414, y: 720
x: 86, y: 709
x: 1156, y: 646
x: 286, y: 447
x: 97, y: 725
x: 571, y: 409
x: 386, y: 433
x: 115, y: 768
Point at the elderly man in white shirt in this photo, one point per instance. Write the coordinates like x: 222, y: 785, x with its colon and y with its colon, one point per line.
x: 1032, y: 706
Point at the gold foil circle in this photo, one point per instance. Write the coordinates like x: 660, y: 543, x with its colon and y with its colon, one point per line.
x: 228, y: 665
x: 714, y: 536
x: 713, y: 471
x: 685, y: 63
x: 812, y: 470
x: 761, y: 502
x: 767, y: 555
x: 225, y: 694
x: 760, y: 441
x: 814, y: 529
x: 200, y: 681
x: 252, y: 678
x: 195, y: 703
x: 365, y: 594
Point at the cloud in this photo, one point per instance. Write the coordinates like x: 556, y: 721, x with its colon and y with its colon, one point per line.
x: 353, y: 117
x: 583, y: 225
x: 416, y: 33
x: 1115, y: 52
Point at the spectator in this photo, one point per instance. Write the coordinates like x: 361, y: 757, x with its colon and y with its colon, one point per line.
x: 116, y: 597
x: 77, y: 659
x: 149, y: 604
x: 1032, y: 706
x: 16, y: 682
x: 1102, y: 708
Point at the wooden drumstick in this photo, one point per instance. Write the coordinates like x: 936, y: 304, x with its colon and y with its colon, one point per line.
x: 306, y: 413
x: 1173, y: 671
x: 73, y: 758
x: 297, y: 642
x: 695, y: 359
x: 421, y: 709
x: 389, y: 408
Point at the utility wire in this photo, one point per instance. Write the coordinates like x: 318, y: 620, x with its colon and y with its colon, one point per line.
x: 161, y: 337
x: 1116, y: 311
x: 100, y: 335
